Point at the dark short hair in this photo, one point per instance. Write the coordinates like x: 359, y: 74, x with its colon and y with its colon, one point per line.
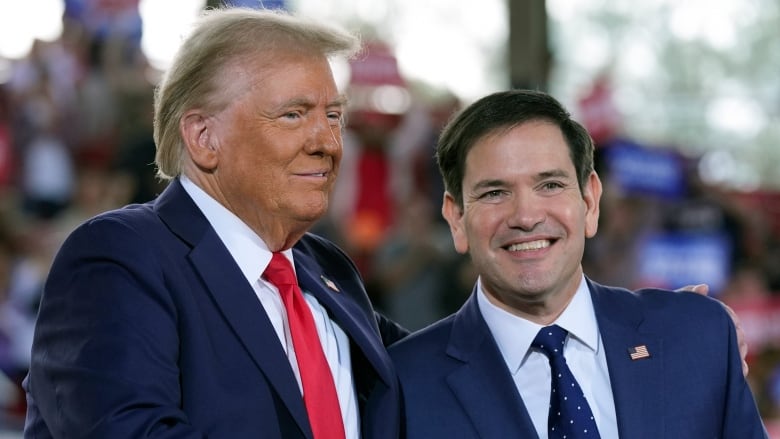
x: 504, y: 111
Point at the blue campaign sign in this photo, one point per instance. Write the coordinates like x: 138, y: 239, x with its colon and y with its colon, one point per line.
x: 103, y: 18
x: 641, y: 170
x: 675, y: 259
x: 258, y: 4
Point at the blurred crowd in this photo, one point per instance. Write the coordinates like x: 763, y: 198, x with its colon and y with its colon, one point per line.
x: 76, y: 139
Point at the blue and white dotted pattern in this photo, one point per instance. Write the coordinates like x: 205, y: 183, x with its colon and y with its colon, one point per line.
x: 570, y: 415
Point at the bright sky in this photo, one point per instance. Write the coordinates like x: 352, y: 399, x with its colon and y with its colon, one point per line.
x: 445, y: 42
x: 21, y: 21
x: 164, y: 24
x: 453, y: 55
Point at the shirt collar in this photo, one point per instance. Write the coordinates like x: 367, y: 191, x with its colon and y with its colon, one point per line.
x: 248, y: 250
x: 579, y: 318
x: 514, y: 334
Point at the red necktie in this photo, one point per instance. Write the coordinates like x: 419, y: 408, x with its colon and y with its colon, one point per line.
x: 319, y: 391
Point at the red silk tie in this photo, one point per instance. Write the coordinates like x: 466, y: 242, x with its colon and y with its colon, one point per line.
x: 319, y: 390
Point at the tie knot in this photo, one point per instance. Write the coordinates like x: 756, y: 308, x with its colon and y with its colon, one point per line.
x: 550, y: 339
x: 280, y: 271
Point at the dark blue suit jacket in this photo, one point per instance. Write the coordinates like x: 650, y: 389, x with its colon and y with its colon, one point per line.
x: 147, y: 328
x: 455, y: 383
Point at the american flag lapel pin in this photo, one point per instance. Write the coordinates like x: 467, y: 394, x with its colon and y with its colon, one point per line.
x: 638, y: 352
x: 329, y: 283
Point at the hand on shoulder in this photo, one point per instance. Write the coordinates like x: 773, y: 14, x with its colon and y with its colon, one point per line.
x: 704, y: 289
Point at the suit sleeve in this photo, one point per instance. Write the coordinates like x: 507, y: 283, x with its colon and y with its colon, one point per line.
x: 741, y: 418
x: 104, y: 358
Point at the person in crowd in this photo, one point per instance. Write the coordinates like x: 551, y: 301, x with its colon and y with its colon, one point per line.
x: 538, y: 349
x: 211, y: 311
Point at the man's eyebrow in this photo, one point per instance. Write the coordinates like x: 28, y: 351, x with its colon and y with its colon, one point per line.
x: 341, y: 101
x: 552, y: 173
x: 492, y: 183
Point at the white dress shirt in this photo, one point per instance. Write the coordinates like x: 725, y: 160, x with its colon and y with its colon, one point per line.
x: 252, y: 256
x: 530, y: 368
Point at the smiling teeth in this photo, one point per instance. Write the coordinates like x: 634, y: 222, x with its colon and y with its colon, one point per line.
x: 533, y: 245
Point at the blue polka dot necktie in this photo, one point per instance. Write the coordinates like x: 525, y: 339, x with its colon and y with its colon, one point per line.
x: 570, y: 416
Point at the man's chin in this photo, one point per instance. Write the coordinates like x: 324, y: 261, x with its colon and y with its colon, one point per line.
x: 312, y: 213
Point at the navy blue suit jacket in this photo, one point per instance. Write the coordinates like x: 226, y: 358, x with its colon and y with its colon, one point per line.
x: 455, y: 383
x: 147, y: 328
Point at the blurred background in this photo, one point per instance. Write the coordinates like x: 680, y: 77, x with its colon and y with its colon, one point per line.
x: 681, y: 97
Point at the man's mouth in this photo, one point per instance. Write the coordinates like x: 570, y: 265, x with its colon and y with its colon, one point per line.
x: 530, y: 245
x: 313, y: 174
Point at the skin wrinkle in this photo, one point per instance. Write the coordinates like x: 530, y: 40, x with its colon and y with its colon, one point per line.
x: 298, y: 128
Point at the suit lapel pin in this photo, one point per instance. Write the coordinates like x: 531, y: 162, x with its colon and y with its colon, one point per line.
x: 638, y: 352
x: 329, y: 283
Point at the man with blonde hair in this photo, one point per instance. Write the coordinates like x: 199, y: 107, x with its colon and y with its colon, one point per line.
x: 211, y: 311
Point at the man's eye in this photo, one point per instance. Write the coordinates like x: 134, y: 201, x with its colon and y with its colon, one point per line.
x: 292, y: 115
x: 492, y: 194
x: 335, y: 118
x: 552, y: 186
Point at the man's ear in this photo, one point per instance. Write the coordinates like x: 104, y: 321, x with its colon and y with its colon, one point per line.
x: 453, y: 213
x: 199, y: 139
x: 592, y: 197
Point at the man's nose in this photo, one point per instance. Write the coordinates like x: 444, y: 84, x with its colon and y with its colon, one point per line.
x: 325, y: 136
x: 527, y: 211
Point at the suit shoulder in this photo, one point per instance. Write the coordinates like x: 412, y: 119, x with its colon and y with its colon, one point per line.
x: 674, y: 309
x: 424, y: 342
x: 133, y: 216
x: 128, y: 232
x: 652, y: 297
x: 658, y: 298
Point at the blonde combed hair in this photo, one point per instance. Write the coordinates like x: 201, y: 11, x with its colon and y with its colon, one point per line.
x: 220, y: 37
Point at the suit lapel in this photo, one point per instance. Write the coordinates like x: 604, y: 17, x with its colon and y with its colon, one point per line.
x: 359, y: 326
x: 636, y: 383
x: 482, y: 384
x: 231, y: 293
